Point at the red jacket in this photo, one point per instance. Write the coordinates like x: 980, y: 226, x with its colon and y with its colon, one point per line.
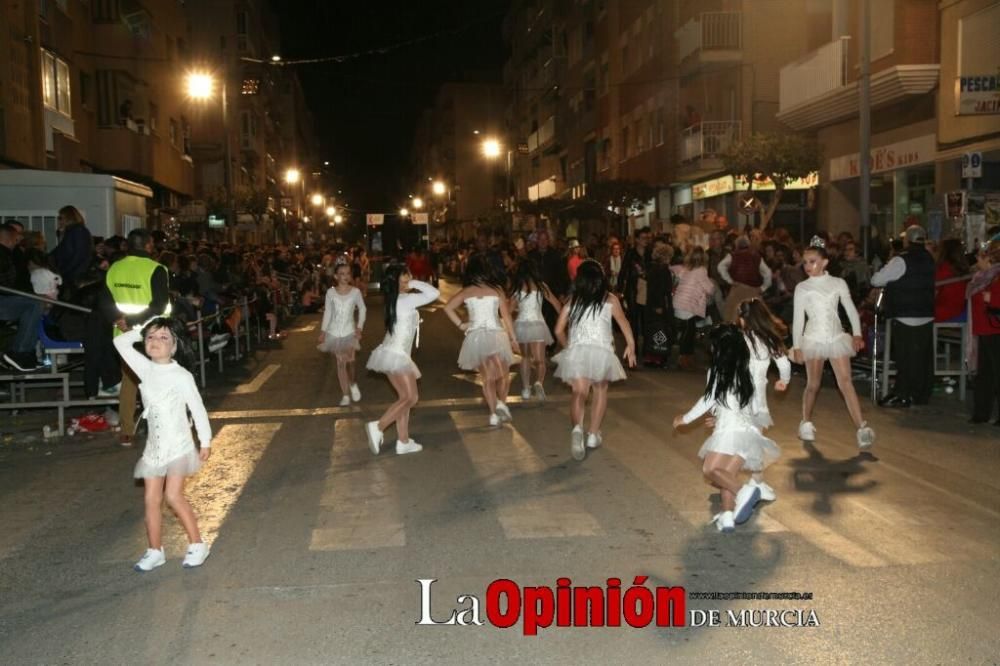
x: 982, y: 322
x: 949, y: 300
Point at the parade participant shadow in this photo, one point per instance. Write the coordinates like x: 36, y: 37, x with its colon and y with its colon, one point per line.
x: 827, y: 478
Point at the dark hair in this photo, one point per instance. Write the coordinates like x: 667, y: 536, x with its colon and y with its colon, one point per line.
x: 952, y: 252
x: 480, y: 272
x: 761, y: 326
x: 390, y: 289
x: 590, y: 290
x: 183, y: 355
x: 137, y: 239
x: 818, y: 249
x: 730, y: 372
x: 72, y: 214
x: 527, y: 276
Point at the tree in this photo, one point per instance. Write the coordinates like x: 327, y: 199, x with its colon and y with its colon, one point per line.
x: 622, y: 195
x: 780, y: 157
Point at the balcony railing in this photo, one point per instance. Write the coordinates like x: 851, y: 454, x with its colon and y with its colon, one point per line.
x: 710, y: 31
x: 815, y: 74
x: 708, y: 140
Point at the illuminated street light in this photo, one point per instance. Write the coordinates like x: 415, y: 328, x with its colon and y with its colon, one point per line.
x: 418, y: 203
x: 330, y: 211
x: 292, y: 176
x: 200, y: 85
x: 491, y: 148
x: 403, y: 212
x: 338, y: 219
x: 439, y: 188
x: 317, y: 200
x: 276, y: 58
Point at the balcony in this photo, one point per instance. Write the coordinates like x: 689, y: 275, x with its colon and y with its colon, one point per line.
x: 124, y: 150
x: 815, y: 90
x: 711, y: 40
x: 701, y: 146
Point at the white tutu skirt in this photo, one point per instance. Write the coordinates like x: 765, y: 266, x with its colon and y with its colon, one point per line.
x: 598, y: 364
x: 391, y: 362
x: 837, y: 347
x: 342, y: 345
x: 756, y: 450
x: 532, y: 331
x: 480, y: 344
x: 763, y: 420
x: 185, y: 465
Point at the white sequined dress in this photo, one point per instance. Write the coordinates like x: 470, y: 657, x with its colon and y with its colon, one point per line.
x: 168, y: 394
x: 736, y: 433
x: 760, y: 363
x: 393, y: 355
x: 530, y: 325
x: 591, y: 351
x: 816, y: 327
x: 485, y: 336
x: 339, y: 323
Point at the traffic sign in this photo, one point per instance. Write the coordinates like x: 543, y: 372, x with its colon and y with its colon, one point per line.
x: 749, y: 204
x: 972, y: 165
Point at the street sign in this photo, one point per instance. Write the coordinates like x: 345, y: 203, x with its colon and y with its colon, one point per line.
x: 375, y: 219
x: 749, y: 204
x: 420, y: 218
x: 972, y: 165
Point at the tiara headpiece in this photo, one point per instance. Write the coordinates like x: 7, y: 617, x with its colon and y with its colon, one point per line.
x: 817, y: 241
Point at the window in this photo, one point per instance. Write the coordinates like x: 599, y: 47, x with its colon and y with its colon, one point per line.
x: 154, y: 112
x: 86, y: 88
x: 173, y: 132
x: 605, y: 154
x: 661, y: 127
x: 602, y: 82
x: 640, y: 136
x: 55, y: 83
x: 625, y: 145
x: 650, y: 130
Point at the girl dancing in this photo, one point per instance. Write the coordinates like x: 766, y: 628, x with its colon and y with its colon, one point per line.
x: 736, y: 442
x: 392, y: 357
x: 526, y: 293
x: 489, y: 344
x: 588, y: 359
x: 339, y: 334
x: 817, y: 336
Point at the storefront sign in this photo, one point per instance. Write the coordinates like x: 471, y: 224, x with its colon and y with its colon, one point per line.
x: 713, y: 188
x: 765, y: 184
x: 887, y: 158
x: 374, y: 219
x: 977, y: 95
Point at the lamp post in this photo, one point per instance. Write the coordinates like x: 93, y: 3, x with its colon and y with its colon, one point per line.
x: 201, y: 87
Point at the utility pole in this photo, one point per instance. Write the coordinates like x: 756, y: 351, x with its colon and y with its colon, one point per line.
x: 865, y: 126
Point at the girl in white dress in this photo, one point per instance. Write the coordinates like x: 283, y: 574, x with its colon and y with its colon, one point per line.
x: 526, y: 293
x: 169, y: 393
x: 817, y: 336
x: 736, y: 442
x: 340, y: 333
x: 588, y: 359
x: 765, y: 335
x: 392, y: 357
x: 489, y: 344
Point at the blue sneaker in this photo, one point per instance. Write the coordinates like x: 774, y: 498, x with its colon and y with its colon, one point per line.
x: 748, y: 496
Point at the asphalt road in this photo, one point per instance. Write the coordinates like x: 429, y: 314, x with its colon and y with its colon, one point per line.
x: 318, y: 545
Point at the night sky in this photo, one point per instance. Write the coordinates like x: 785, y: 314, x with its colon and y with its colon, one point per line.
x: 366, y: 108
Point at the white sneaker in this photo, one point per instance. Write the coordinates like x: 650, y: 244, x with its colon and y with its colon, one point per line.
x: 724, y: 521
x: 355, y: 393
x: 345, y: 401
x: 866, y: 437
x: 494, y: 420
x: 576, y: 445
x: 197, y: 553
x: 503, y: 411
x: 374, y: 436
x: 152, y: 559
x: 540, y: 391
x: 526, y: 393
x: 767, y: 493
x: 748, y: 496
x: 807, y: 431
x: 402, y: 448
x: 593, y: 440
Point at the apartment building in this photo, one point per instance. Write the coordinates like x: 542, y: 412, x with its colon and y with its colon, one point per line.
x: 448, y: 149
x: 94, y: 87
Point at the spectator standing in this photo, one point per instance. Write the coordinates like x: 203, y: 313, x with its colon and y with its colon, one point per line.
x: 908, y: 279
x: 75, y: 252
x: 949, y: 299
x: 553, y: 271
x: 984, y: 290
x: 634, y: 280
x: 747, y: 274
x: 694, y: 288
x: 576, y: 256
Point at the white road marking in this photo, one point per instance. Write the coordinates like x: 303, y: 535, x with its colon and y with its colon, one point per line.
x: 257, y: 382
x: 501, y: 457
x: 303, y: 329
x: 360, y: 504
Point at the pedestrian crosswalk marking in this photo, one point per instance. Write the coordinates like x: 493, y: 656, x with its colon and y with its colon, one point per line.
x: 502, y: 457
x: 360, y: 503
x: 257, y: 382
x: 477, y: 379
x: 304, y: 329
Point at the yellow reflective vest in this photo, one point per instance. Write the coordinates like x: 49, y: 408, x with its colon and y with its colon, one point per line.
x: 130, y: 282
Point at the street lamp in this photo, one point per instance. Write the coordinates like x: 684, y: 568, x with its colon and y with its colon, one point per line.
x: 293, y: 176
x: 438, y: 187
x: 317, y: 200
x: 337, y: 219
x: 201, y: 87
x: 491, y: 148
x: 330, y: 211
x: 418, y: 203
x: 403, y: 212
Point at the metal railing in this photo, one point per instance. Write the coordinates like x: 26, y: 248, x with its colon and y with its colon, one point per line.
x: 710, y: 31
x: 709, y: 139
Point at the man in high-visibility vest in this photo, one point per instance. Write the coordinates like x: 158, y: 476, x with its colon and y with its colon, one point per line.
x: 137, y: 290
